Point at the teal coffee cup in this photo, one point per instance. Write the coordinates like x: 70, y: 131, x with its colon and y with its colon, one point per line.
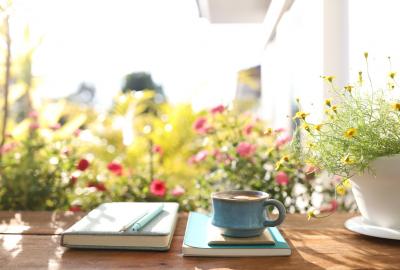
x: 242, y: 213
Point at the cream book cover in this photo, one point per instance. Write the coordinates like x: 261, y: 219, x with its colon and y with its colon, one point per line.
x: 101, y: 227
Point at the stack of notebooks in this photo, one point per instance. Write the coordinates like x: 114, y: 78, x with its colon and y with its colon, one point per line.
x: 150, y: 226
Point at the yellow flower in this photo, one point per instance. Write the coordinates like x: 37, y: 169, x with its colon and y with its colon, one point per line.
x: 328, y: 102
x: 347, y: 160
x: 392, y: 74
x: 350, y: 133
x: 307, y: 127
x: 318, y: 127
x: 329, y: 78
x: 301, y: 115
x: 396, y: 106
x: 311, y: 214
x: 340, y: 190
x: 285, y: 158
x: 334, y: 108
x: 366, y: 55
x: 346, y: 183
x: 268, y: 131
x: 311, y: 145
x: 348, y: 88
x: 360, y: 78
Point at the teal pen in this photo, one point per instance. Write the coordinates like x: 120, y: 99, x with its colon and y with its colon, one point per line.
x: 150, y: 215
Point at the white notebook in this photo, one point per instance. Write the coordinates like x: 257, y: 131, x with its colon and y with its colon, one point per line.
x: 101, y: 227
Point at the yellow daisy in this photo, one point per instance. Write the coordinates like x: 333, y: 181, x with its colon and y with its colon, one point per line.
x: 347, y: 160
x: 340, y: 190
x: 348, y: 88
x: 301, y: 115
x: 396, y: 106
x: 350, y: 133
x: 328, y: 102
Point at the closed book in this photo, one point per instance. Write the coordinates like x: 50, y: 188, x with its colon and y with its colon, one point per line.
x: 196, y: 239
x: 106, y: 227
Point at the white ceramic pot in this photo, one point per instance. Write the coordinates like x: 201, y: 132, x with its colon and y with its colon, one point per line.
x: 378, y: 194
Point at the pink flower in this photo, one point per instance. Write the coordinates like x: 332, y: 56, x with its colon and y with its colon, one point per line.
x: 83, y: 164
x: 331, y: 207
x: 248, y: 129
x: 309, y: 169
x: 158, y: 149
x: 282, y: 178
x: 245, y: 149
x: 115, y: 167
x: 199, y: 157
x: 200, y: 125
x: 218, y: 109
x: 222, y: 157
x: 178, y: 191
x: 7, y: 147
x: 282, y: 140
x: 77, y: 132
x: 65, y: 151
x: 55, y: 126
x: 279, y: 130
x: 34, y: 126
x: 33, y: 114
x: 158, y: 187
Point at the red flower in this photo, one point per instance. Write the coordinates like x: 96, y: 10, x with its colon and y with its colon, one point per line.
x: 218, y: 109
x: 282, y: 178
x: 75, y: 208
x: 158, y: 150
x: 115, y: 167
x: 178, y: 191
x: 200, y: 125
x: 98, y: 185
x: 245, y: 149
x: 83, y: 164
x: 72, y: 180
x: 158, y: 187
x: 248, y: 129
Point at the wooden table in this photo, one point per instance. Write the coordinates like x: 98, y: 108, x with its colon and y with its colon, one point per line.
x: 30, y: 240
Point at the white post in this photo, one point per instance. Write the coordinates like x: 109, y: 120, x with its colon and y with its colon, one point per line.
x: 336, y: 41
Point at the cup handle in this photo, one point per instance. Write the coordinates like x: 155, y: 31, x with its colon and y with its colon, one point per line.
x: 281, y: 210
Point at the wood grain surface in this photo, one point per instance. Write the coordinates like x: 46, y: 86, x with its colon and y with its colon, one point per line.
x: 30, y: 240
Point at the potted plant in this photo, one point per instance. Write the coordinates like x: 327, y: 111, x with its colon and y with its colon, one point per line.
x: 359, y: 139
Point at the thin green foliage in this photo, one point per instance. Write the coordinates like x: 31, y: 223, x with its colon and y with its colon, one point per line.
x: 361, y: 124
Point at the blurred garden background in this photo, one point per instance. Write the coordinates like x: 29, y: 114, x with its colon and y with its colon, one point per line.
x: 171, y: 100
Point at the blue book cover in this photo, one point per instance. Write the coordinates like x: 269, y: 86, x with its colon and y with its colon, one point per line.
x: 195, y: 242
